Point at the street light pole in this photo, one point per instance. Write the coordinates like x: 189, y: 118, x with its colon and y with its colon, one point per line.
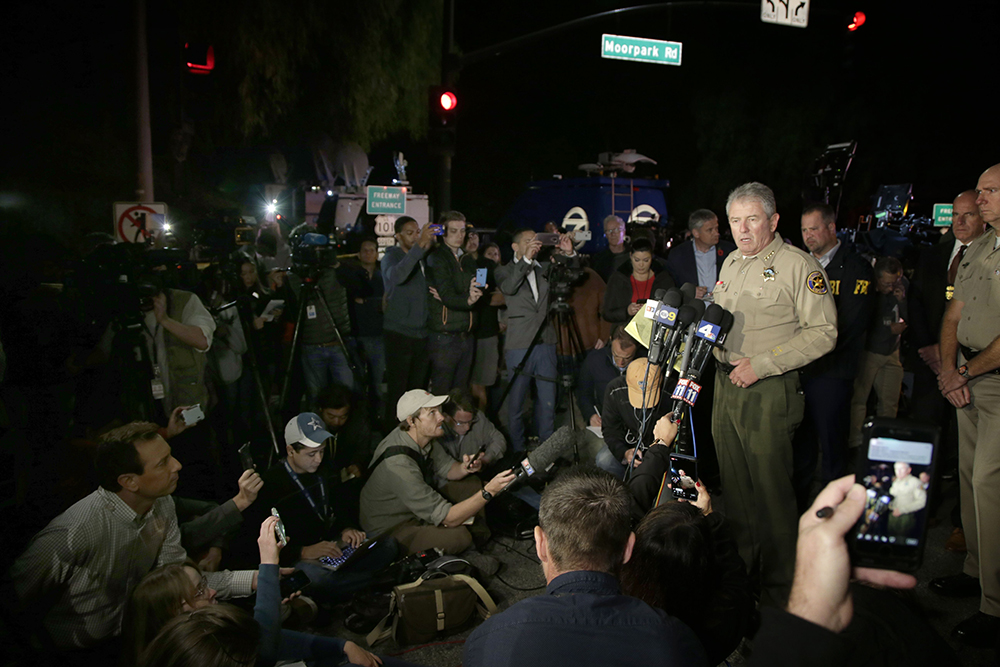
x: 144, y: 144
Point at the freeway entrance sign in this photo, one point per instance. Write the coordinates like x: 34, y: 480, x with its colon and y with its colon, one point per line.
x: 785, y: 12
x: 942, y: 215
x: 383, y: 199
x: 639, y: 49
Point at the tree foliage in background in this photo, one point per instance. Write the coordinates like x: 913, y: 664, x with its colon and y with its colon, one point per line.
x: 356, y: 71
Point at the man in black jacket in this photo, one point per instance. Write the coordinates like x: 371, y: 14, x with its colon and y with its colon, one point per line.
x: 828, y: 382
x: 698, y: 260
x: 625, y: 402
x: 305, y: 497
x: 451, y: 276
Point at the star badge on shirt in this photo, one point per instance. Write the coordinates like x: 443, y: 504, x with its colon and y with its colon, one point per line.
x: 769, y: 273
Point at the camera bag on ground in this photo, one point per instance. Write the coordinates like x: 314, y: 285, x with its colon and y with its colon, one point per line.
x: 440, y: 603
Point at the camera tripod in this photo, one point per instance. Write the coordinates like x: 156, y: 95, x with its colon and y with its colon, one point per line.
x: 310, y: 287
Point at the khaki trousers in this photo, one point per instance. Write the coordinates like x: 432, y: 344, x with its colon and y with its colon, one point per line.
x: 414, y: 536
x: 885, y: 373
x: 979, y: 486
x: 753, y: 430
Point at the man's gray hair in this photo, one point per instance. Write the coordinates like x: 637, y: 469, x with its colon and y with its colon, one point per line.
x: 699, y: 218
x: 756, y: 191
x: 611, y: 218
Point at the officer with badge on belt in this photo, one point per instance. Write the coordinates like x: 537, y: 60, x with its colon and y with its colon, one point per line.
x: 971, y: 327
x: 784, y: 318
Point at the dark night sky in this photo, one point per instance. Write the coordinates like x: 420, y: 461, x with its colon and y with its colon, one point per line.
x: 915, y: 88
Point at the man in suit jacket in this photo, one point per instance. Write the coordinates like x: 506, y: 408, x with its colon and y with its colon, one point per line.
x: 930, y: 291
x: 527, y: 292
x: 697, y: 260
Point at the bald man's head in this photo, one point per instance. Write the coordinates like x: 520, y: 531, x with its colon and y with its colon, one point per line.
x: 988, y: 199
x: 966, y: 223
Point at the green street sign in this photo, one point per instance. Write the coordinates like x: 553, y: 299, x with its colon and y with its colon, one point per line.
x: 942, y: 215
x: 619, y: 47
x: 383, y: 199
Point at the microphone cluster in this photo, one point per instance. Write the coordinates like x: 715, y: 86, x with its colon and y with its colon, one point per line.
x: 680, y: 321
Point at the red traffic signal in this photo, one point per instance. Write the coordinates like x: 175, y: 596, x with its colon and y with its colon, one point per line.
x: 857, y: 21
x: 448, y: 101
x: 199, y: 58
x: 443, y: 101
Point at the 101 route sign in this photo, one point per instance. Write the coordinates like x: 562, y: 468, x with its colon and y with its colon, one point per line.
x: 785, y: 12
x: 639, y: 49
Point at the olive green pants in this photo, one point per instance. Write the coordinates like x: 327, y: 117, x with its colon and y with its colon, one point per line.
x: 753, y: 430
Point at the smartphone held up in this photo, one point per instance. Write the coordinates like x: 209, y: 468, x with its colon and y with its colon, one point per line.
x: 897, y: 471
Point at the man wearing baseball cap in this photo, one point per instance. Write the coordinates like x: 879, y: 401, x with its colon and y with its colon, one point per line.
x: 316, y: 522
x: 399, y: 498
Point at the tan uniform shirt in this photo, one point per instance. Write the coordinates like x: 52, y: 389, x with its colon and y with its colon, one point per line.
x: 784, y: 314
x: 908, y: 495
x: 977, y: 286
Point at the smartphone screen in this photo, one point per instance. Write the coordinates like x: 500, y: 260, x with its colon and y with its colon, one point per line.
x: 683, y: 485
x: 897, y: 472
x: 481, y: 277
x: 246, y: 458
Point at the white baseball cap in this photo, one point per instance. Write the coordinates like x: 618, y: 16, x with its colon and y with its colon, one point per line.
x: 415, y: 399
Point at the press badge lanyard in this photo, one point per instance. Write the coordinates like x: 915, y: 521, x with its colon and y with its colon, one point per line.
x: 322, y: 490
x: 156, y: 384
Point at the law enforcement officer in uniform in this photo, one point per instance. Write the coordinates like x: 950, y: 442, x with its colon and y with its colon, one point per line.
x: 829, y: 381
x: 970, y: 380
x: 785, y: 317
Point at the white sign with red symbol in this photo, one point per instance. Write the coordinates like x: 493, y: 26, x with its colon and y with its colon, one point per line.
x: 139, y: 222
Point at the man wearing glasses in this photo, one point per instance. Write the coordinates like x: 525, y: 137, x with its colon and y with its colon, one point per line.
x: 468, y: 431
x: 451, y: 278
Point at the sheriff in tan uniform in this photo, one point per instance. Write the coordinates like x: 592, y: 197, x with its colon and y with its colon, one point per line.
x: 970, y: 336
x: 784, y: 317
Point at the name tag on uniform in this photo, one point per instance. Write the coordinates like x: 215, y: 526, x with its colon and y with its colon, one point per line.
x: 311, y: 312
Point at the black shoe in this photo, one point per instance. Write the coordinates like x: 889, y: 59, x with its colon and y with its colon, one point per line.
x: 978, y: 630
x: 956, y: 586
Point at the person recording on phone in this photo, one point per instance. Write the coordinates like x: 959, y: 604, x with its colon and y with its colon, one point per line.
x: 469, y: 432
x: 453, y: 294
x: 526, y: 290
x: 406, y: 302
x: 685, y: 559
x: 317, y: 524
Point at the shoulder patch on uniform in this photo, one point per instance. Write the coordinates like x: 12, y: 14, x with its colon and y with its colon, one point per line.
x: 816, y: 283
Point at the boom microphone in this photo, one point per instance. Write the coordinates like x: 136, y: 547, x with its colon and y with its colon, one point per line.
x: 544, y: 456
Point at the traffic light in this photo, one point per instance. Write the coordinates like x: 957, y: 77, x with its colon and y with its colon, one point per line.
x: 856, y: 21
x: 199, y: 58
x: 443, y: 102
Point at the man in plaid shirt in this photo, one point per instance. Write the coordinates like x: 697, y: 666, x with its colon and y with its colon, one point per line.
x: 77, y: 574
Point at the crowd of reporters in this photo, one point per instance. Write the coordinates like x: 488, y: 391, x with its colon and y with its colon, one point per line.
x: 372, y: 357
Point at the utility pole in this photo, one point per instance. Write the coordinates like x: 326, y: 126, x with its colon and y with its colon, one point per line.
x: 144, y: 144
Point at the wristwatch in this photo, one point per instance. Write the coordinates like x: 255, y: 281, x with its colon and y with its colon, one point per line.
x: 487, y: 496
x: 963, y: 370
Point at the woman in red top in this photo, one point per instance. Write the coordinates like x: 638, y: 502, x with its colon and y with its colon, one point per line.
x: 632, y: 284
